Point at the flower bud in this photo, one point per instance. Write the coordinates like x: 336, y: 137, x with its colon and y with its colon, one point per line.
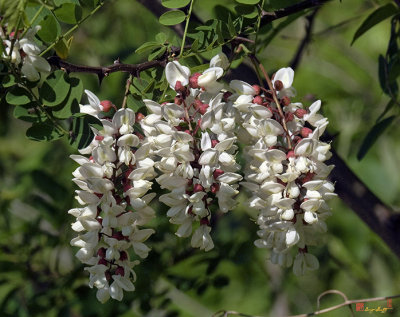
x: 290, y: 154
x: 226, y: 96
x: 214, y: 143
x: 107, y: 105
x: 123, y: 256
x: 139, y: 117
x: 204, y: 221
x: 305, y: 132
x: 120, y: 271
x: 102, y: 262
x: 300, y: 113
x: 257, y: 89
x: 102, y: 252
x: 193, y: 80
x: 258, y: 100
x: 214, y: 188
x: 179, y: 88
x: 198, y: 188
x: 178, y: 100
x: 285, y: 101
x: 217, y: 173
x: 278, y: 85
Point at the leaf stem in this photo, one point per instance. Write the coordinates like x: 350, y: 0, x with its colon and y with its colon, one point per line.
x: 73, y: 28
x: 186, y: 28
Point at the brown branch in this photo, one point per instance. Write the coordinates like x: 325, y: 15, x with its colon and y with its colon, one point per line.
x: 268, y: 17
x: 379, y: 217
x: 103, y: 71
x: 306, y: 40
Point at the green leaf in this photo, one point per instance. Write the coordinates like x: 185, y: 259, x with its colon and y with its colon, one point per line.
x: 248, y: 1
x: 81, y: 133
x: 172, y: 17
x: 28, y: 113
x: 18, y: 96
x: 373, y: 135
x: 249, y: 12
x: 8, y: 80
x: 43, y: 131
x: 388, y: 87
x: 374, y: 18
x: 161, y: 38
x: 157, y: 53
x: 147, y: 47
x: 69, y: 13
x: 62, y: 48
x: 55, y: 89
x: 50, y: 29
x: 173, y: 4
x: 61, y: 2
x: 134, y: 103
x: 389, y: 106
x: 70, y: 106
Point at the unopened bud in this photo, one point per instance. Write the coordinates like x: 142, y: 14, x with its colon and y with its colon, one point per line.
x: 193, y: 80
x: 278, y: 85
x: 214, y: 143
x: 107, y: 105
x: 198, y: 188
x: 290, y: 154
x: 120, y: 271
x: 257, y: 89
x: 179, y: 87
x: 204, y: 221
x: 118, y: 235
x: 123, y: 256
x: 305, y: 132
x: 300, y: 113
x: 101, y: 252
x: 285, y: 101
x: 107, y: 274
x: 102, y: 262
x: 178, y: 100
x: 99, y: 138
x: 214, y: 188
x: 258, y: 100
x: 289, y: 116
x: 203, y: 108
x: 139, y: 117
x: 226, y: 96
x: 217, y: 173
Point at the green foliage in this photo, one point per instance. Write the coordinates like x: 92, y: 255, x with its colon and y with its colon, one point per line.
x: 18, y: 96
x: 173, y: 4
x: 81, y: 133
x: 374, y: 18
x: 43, y: 131
x: 172, y: 17
x: 69, y: 13
x: 50, y: 29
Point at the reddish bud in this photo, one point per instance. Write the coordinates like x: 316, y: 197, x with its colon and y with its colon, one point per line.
x: 100, y: 221
x: 99, y: 138
x: 139, y: 117
x: 118, y: 235
x: 120, y: 271
x: 101, y: 252
x: 204, y: 221
x: 305, y: 132
x: 190, y: 210
x: 188, y: 131
x: 178, y: 101
x: 107, y: 274
x: 226, y: 96
x: 289, y: 116
x: 107, y: 105
x: 290, y: 154
x: 214, y: 143
x: 198, y: 188
x: 257, y: 89
x: 285, y: 101
x: 278, y: 85
x: 214, y: 188
x: 103, y: 262
x: 127, y: 186
x: 217, y: 173
x: 179, y: 87
x: 197, y: 104
x: 258, y: 100
x: 203, y: 108
x: 300, y: 113
x: 91, y: 158
x: 123, y: 256
x: 297, y: 139
x: 193, y: 80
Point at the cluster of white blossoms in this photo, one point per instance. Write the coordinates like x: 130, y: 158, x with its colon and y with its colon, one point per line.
x: 113, y: 181
x: 25, y: 52
x: 285, y: 171
x: 193, y: 144
x: 189, y: 148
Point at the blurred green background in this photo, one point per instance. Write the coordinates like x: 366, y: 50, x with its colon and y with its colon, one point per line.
x: 39, y: 275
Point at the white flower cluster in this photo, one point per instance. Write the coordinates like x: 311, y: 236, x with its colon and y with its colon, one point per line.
x: 189, y: 147
x: 113, y: 184
x: 192, y: 142
x: 285, y: 171
x: 25, y: 51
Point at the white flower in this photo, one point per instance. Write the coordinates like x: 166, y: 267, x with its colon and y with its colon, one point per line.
x: 220, y: 60
x: 174, y: 72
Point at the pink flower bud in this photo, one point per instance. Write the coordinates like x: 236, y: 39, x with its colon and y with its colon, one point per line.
x: 226, y: 96
x: 289, y: 116
x: 198, y: 188
x: 102, y: 252
x: 107, y: 274
x: 305, y: 132
x: 193, y: 80
x: 258, y: 100
x: 278, y: 85
x: 204, y: 221
x: 107, y: 105
x: 217, y: 173
x: 285, y: 101
x: 214, y: 188
x: 300, y: 113
x: 99, y: 138
x: 120, y: 271
x: 214, y: 143
x: 257, y: 89
x: 203, y: 108
x: 123, y: 256
x: 290, y: 154
x: 102, y: 262
x: 139, y: 117
x: 179, y: 87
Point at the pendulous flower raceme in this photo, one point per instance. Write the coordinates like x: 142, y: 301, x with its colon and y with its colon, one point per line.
x: 189, y: 147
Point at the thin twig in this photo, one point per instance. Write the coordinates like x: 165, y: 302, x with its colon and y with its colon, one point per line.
x: 128, y: 85
x: 306, y: 40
